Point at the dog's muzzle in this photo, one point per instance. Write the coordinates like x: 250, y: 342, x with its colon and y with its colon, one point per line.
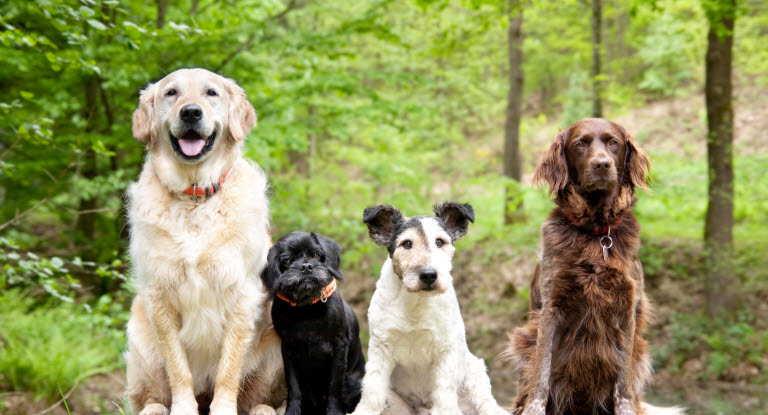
x: 192, y: 145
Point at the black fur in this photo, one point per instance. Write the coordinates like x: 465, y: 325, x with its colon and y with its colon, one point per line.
x: 322, y: 354
x: 455, y: 217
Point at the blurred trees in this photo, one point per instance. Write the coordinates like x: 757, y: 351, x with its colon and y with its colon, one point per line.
x: 387, y: 99
x: 513, y: 204
x: 718, y: 230
x: 597, y: 31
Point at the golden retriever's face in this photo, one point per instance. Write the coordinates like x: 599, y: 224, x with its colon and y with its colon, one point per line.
x: 190, y: 112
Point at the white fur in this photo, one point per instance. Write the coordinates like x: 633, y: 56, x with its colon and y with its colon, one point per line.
x: 200, y: 310
x: 417, y: 355
x: 654, y: 410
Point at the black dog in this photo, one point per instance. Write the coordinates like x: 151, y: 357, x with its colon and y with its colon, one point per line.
x: 323, y: 358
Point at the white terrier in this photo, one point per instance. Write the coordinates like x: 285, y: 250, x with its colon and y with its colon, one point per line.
x: 418, y: 359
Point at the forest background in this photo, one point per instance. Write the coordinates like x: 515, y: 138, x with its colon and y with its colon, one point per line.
x: 406, y: 102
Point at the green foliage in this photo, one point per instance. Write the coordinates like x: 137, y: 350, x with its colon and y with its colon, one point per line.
x: 45, y: 349
x: 60, y: 279
x: 720, y: 344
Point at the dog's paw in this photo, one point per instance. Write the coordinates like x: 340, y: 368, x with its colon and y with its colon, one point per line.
x: 182, y: 407
x: 293, y: 410
x: 536, y: 407
x: 154, y: 409
x: 624, y: 407
x: 262, y: 410
x: 445, y: 410
x: 223, y: 408
x: 498, y: 411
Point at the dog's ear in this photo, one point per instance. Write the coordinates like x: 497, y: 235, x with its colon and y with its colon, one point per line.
x: 143, y: 124
x: 242, y: 116
x: 332, y: 255
x: 271, y: 272
x: 382, y: 221
x: 553, y: 167
x: 637, y: 165
x: 456, y: 217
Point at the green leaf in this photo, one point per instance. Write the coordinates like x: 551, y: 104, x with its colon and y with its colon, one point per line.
x: 87, y: 11
x: 97, y: 24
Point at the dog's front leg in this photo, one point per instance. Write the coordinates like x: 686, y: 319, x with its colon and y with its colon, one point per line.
x: 626, y: 400
x: 237, y: 337
x: 542, y: 363
x: 445, y: 395
x: 376, y: 382
x: 292, y: 382
x: 335, y: 388
x: 167, y: 322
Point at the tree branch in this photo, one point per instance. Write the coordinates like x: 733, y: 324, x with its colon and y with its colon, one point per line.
x: 292, y: 5
x: 18, y: 217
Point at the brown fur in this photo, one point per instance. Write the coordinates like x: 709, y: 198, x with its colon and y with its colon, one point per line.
x: 582, y: 350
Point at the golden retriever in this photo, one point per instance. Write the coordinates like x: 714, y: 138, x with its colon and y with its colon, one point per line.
x: 199, y: 220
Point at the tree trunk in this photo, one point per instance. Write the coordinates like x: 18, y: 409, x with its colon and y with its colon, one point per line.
x: 718, y: 231
x: 86, y: 222
x: 597, y: 102
x: 161, y: 9
x: 513, y: 197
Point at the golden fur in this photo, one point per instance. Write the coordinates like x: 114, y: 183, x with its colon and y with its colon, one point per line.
x: 200, y: 320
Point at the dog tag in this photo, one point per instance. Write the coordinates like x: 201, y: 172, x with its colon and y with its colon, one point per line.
x: 606, y: 242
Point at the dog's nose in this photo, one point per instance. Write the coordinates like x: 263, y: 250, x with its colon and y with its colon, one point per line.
x: 428, y: 275
x: 306, y: 268
x: 191, y: 113
x: 601, y: 163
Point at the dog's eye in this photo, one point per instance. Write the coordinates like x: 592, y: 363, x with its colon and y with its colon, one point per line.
x: 439, y: 242
x: 613, y: 142
x: 407, y: 244
x: 171, y: 92
x: 579, y: 144
x: 212, y: 93
x: 287, y: 263
x: 316, y: 256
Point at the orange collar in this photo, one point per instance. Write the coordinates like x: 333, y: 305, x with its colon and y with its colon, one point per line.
x: 194, y: 190
x: 324, y: 295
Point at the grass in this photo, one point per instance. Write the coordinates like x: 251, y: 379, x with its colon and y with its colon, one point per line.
x: 48, y: 349
x: 677, y: 205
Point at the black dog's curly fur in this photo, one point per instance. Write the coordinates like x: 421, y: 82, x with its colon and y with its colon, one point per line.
x: 323, y: 358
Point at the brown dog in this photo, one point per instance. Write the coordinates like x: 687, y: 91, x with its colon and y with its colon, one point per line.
x: 582, y: 351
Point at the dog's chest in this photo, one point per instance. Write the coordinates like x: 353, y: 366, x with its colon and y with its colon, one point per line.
x: 205, y: 258
x: 586, y: 287
x: 417, y: 335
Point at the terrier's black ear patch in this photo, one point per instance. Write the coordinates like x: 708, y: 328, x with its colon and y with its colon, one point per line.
x: 382, y: 222
x: 455, y: 217
x: 332, y: 254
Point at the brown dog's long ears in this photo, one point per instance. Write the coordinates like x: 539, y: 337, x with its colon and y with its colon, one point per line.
x: 553, y: 167
x: 242, y: 116
x: 637, y: 165
x: 144, y: 116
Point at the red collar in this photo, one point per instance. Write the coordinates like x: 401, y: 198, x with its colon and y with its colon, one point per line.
x: 195, y: 190
x: 324, y: 295
x: 596, y: 229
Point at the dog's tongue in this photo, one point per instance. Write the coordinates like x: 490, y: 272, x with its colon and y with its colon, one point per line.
x: 191, y: 144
